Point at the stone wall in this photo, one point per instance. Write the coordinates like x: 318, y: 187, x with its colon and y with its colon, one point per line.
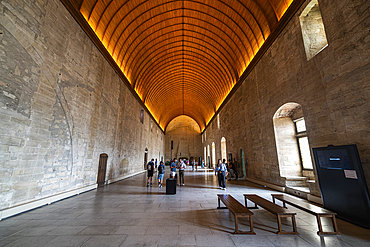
x: 187, y: 141
x: 333, y: 89
x: 61, y: 106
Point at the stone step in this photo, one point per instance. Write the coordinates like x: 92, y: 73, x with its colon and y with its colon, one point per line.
x: 295, y: 181
x: 301, y: 192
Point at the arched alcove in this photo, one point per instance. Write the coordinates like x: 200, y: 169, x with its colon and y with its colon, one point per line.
x: 291, y: 140
x: 184, y: 133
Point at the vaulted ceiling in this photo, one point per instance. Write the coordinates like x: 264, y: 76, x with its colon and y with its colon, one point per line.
x: 181, y: 57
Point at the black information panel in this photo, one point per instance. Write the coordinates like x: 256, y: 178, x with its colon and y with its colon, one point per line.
x: 342, y: 183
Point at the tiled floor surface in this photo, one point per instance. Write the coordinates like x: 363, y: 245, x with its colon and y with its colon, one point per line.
x: 128, y: 213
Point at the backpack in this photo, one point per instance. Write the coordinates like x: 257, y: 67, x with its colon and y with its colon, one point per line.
x: 150, y: 165
x: 160, y: 169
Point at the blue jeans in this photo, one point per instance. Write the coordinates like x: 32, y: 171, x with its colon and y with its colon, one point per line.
x: 221, y: 179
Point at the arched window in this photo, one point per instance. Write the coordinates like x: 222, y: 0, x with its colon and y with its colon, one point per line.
x: 213, y: 153
x: 313, y: 30
x: 208, y: 156
x: 223, y: 148
x: 205, y: 156
x: 291, y: 140
x: 142, y: 115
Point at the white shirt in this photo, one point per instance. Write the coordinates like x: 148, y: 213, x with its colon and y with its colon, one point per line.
x: 182, y: 166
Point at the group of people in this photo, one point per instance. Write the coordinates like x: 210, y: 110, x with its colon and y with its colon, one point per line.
x: 181, y: 166
x: 153, y: 168
x: 174, y: 164
x: 223, y: 169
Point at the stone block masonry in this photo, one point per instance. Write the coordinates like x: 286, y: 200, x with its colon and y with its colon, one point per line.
x: 61, y: 106
x: 333, y: 88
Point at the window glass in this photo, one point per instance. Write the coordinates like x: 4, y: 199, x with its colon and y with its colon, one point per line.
x: 300, y: 125
x: 305, y: 153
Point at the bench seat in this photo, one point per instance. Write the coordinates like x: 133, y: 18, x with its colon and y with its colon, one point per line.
x: 311, y: 209
x: 238, y: 210
x: 279, y: 211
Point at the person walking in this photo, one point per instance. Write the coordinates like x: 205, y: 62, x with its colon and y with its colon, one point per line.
x: 182, y: 167
x: 156, y: 165
x: 192, y: 164
x: 173, y: 168
x: 223, y: 170
x: 161, y: 171
x: 150, y: 168
x: 218, y: 172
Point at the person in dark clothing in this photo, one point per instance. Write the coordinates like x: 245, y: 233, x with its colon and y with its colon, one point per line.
x: 150, y: 168
x: 231, y: 169
x: 161, y: 171
x: 237, y: 168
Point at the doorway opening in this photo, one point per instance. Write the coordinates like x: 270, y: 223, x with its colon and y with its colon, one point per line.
x: 145, y: 158
x: 102, y: 169
x: 242, y: 163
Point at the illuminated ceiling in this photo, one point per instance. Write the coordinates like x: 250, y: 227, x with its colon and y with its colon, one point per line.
x: 181, y: 57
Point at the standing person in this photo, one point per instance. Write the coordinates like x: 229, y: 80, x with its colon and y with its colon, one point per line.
x: 202, y: 163
x: 231, y: 169
x: 161, y: 171
x: 182, y: 167
x: 192, y: 164
x: 156, y: 165
x: 218, y: 172
x: 223, y: 170
x: 173, y: 168
x: 237, y: 169
x: 150, y: 168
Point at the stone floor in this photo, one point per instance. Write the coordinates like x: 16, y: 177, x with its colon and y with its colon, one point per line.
x: 128, y: 213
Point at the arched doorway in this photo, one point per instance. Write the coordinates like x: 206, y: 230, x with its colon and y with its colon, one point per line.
x: 145, y: 158
x: 213, y: 154
x: 102, y: 169
x: 242, y: 163
x: 223, y: 148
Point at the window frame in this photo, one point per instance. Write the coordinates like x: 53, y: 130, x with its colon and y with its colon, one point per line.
x: 298, y: 135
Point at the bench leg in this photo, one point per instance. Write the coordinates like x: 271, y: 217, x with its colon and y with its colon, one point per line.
x: 244, y: 232
x: 335, y: 226
x: 293, y: 223
x: 246, y: 204
x: 280, y: 231
x: 219, y: 206
x: 251, y: 224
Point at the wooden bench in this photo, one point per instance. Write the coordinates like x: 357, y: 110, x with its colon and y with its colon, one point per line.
x: 279, y: 211
x: 311, y: 209
x: 238, y: 210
